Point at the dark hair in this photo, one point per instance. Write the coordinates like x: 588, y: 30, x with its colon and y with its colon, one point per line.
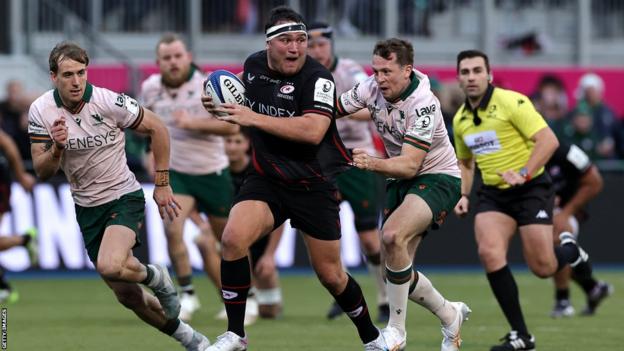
x: 551, y: 79
x: 67, y: 49
x: 402, y: 48
x: 169, y: 38
x: 283, y: 13
x: 470, y: 54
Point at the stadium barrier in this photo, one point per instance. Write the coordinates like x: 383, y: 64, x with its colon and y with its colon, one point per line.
x: 51, y: 209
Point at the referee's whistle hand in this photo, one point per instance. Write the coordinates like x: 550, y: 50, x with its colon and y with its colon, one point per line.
x: 512, y: 177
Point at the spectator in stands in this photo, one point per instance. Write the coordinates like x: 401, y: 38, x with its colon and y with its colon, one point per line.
x: 581, y: 131
x: 451, y: 98
x: 14, y: 118
x: 604, y: 125
x: 551, y: 101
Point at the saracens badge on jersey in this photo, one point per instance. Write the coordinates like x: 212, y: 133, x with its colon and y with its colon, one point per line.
x: 287, y: 89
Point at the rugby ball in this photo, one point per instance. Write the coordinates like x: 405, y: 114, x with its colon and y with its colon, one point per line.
x: 224, y: 87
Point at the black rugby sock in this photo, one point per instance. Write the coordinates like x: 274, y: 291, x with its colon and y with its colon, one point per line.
x: 582, y: 274
x: 4, y: 284
x: 352, y: 301
x: 505, y: 290
x: 562, y: 294
x: 186, y: 284
x: 235, y: 283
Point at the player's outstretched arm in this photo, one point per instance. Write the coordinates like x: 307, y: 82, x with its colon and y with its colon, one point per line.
x: 163, y: 195
x: 405, y: 166
x: 47, y: 156
x: 8, y: 147
x: 208, y: 125
x: 361, y: 115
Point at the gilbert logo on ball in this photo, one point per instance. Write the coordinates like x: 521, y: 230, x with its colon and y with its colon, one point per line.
x: 224, y: 87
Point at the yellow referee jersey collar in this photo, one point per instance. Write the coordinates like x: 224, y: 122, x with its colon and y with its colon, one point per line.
x: 485, y: 101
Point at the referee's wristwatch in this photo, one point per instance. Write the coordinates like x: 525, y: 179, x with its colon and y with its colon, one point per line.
x: 524, y: 173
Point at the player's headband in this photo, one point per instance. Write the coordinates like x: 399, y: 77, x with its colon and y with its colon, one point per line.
x: 283, y: 28
x: 321, y: 32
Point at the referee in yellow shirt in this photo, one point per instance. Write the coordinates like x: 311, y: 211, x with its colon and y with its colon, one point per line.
x: 510, y: 142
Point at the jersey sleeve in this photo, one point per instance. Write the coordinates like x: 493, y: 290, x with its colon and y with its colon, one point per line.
x: 525, y: 117
x: 124, y: 109
x: 318, y: 95
x: 577, y: 159
x: 355, y: 99
x: 422, y: 119
x: 462, y: 150
x: 37, y: 131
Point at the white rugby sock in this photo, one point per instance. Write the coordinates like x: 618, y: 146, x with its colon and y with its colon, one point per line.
x: 156, y: 278
x: 184, y: 333
x: 427, y: 296
x: 397, y: 297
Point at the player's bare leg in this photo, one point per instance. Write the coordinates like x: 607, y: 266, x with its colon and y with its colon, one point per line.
x: 325, y: 259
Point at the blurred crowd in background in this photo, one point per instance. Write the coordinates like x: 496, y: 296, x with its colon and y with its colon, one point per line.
x: 589, y: 123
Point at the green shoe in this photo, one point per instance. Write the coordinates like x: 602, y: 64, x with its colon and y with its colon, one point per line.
x: 33, y: 245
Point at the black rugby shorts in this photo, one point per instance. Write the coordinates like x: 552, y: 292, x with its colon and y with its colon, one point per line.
x: 529, y: 203
x: 312, y: 208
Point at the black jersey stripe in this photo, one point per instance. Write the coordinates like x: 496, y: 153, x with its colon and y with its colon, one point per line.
x: 139, y: 119
x: 326, y: 114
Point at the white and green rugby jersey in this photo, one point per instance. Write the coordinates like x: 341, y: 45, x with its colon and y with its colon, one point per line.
x: 415, y: 118
x: 354, y: 134
x: 94, y: 160
x: 192, y: 151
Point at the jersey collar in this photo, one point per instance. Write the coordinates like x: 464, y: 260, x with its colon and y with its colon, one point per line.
x: 334, y: 64
x: 485, y: 101
x: 410, y: 88
x: 86, y: 97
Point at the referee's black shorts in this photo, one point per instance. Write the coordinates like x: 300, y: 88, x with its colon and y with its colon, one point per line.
x: 529, y: 203
x: 313, y: 209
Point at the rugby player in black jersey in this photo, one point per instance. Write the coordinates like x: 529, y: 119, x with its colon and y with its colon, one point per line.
x: 296, y: 154
x: 576, y: 181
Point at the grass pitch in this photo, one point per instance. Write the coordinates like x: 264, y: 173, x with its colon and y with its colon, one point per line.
x: 67, y: 314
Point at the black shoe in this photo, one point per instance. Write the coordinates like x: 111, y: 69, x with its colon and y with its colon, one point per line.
x: 512, y: 342
x: 601, y: 291
x: 383, y: 313
x: 334, y: 311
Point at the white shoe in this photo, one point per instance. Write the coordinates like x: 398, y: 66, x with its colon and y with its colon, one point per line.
x: 229, y: 341
x: 451, y: 340
x: 251, y: 311
x: 378, y: 344
x: 188, y: 305
x: 198, y: 343
x: 395, y: 340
